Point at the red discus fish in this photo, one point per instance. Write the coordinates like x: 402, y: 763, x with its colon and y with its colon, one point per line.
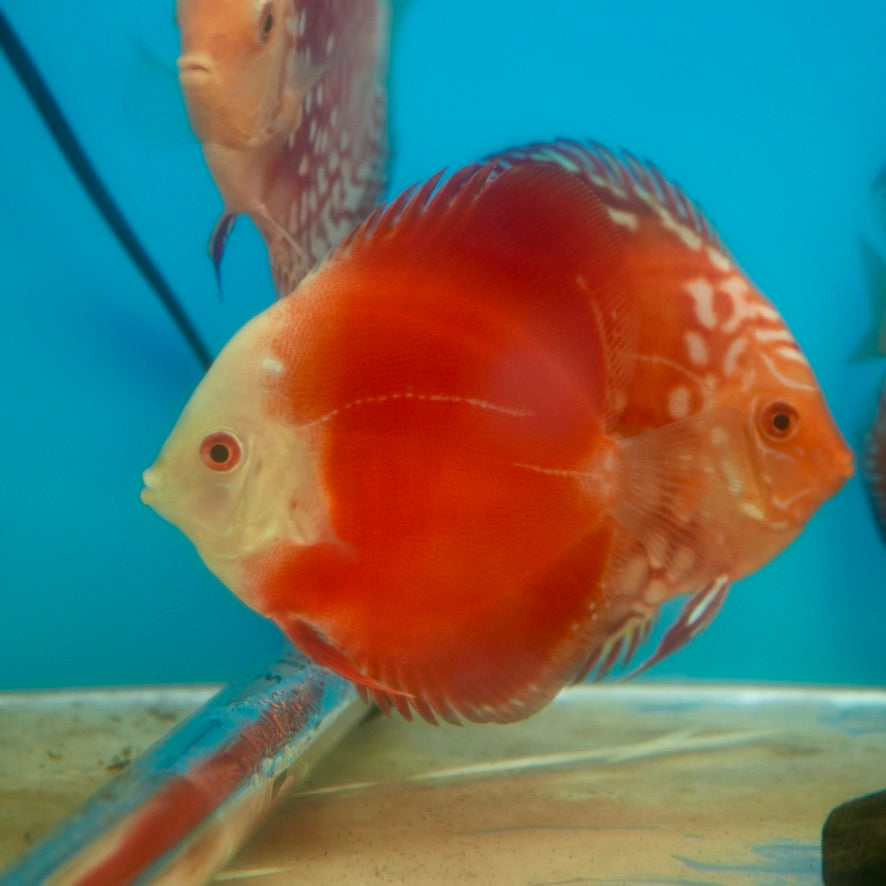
x: 716, y: 364
x: 427, y: 466
x: 288, y: 102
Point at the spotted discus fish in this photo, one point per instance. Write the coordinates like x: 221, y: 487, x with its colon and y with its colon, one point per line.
x: 287, y: 99
x: 456, y: 466
x: 716, y: 364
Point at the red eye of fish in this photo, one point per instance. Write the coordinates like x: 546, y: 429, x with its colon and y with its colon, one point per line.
x: 265, y: 23
x: 220, y: 451
x: 779, y: 420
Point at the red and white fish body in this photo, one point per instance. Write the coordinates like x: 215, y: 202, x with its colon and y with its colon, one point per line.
x: 716, y: 363
x: 451, y: 467
x: 288, y: 102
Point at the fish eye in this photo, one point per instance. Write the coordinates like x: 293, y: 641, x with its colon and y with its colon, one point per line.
x: 779, y: 420
x: 220, y: 451
x: 265, y: 22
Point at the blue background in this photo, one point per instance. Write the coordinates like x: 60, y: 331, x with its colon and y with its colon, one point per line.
x: 772, y: 115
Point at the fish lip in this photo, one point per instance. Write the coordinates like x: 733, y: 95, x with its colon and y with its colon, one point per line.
x: 195, y: 69
x: 149, y: 493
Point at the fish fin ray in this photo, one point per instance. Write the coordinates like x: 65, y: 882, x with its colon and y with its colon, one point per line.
x: 217, y: 241
x: 624, y: 175
x: 310, y: 641
x: 678, y: 478
x: 696, y: 615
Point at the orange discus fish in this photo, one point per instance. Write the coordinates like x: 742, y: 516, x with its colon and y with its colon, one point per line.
x: 288, y: 102
x: 717, y: 365
x: 427, y: 467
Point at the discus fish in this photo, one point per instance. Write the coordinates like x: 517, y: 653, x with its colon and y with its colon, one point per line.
x: 426, y: 467
x: 288, y: 102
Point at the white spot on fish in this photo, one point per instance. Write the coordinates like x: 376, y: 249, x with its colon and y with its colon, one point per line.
x: 734, y: 482
x: 686, y: 234
x: 678, y: 402
x: 272, y: 364
x: 733, y: 353
x: 330, y: 43
x: 792, y: 353
x: 703, y: 295
x: 625, y: 219
x: 720, y: 261
x: 736, y: 286
x: 719, y: 435
x: 766, y: 312
x: 776, y: 373
x: 696, y: 348
x: 752, y: 510
x: 773, y: 335
x: 618, y: 401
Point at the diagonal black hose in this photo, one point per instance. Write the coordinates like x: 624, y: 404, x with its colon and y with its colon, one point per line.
x: 64, y: 137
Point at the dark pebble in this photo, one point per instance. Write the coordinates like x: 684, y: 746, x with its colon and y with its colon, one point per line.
x: 853, y: 843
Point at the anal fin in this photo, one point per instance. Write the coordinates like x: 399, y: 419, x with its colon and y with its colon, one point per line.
x: 696, y: 615
x: 322, y: 652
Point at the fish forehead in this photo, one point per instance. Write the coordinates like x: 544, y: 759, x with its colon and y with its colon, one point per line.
x: 207, y: 20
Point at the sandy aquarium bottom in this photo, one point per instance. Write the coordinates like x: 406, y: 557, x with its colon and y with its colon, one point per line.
x: 614, y: 784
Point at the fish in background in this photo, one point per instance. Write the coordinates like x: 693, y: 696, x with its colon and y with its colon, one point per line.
x: 874, y: 346
x: 509, y: 417
x: 288, y: 102
x: 874, y: 464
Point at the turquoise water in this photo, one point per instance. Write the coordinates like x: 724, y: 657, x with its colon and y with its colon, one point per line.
x: 772, y: 115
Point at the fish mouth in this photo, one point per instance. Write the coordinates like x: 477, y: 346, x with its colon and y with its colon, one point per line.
x: 195, y: 69
x: 149, y: 494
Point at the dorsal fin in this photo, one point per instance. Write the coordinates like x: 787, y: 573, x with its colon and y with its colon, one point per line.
x: 619, y: 178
